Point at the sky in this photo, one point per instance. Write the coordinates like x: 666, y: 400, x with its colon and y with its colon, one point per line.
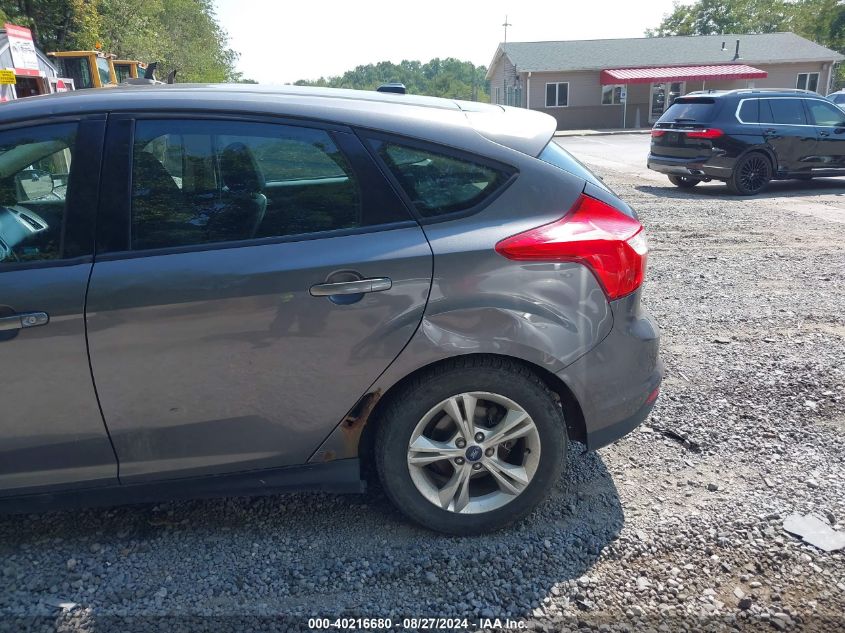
x: 282, y: 41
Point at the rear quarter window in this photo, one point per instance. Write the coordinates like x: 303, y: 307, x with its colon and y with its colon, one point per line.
x: 749, y: 111
x: 439, y: 183
x: 691, y: 109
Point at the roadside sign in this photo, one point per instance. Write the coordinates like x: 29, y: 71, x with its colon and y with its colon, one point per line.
x: 21, y: 46
x: 7, y: 76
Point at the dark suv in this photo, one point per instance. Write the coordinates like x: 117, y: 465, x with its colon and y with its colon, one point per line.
x: 212, y: 290
x: 747, y: 138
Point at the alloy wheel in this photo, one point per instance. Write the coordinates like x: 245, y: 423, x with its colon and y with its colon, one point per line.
x: 473, y: 452
x: 754, y: 173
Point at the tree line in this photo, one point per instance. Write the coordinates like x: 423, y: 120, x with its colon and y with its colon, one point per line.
x: 448, y: 77
x: 179, y: 34
x: 822, y: 21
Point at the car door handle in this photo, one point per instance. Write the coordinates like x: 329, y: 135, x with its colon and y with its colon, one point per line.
x: 770, y: 131
x: 824, y: 133
x: 359, y: 286
x: 24, y: 320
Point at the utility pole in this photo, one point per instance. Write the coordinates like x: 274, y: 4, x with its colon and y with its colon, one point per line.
x: 504, y: 75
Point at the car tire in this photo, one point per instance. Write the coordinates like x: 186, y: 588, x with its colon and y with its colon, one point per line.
x: 684, y: 182
x: 461, y: 491
x: 751, y: 174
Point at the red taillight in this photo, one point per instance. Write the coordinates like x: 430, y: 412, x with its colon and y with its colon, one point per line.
x: 607, y: 241
x: 710, y: 132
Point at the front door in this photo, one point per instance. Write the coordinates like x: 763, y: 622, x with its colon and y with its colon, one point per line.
x: 51, y: 431
x: 830, y: 130
x: 662, y: 95
x: 270, y: 277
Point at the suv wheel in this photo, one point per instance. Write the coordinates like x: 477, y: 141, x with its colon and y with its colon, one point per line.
x: 684, y: 182
x: 751, y: 174
x: 471, y: 446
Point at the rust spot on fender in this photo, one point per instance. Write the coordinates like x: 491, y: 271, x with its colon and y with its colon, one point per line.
x: 354, y: 423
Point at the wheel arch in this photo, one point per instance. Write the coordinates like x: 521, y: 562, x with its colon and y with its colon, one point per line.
x: 767, y: 151
x: 355, y: 435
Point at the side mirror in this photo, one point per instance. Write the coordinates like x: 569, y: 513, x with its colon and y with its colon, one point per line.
x: 34, y: 184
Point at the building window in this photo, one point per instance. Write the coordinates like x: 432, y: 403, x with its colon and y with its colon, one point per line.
x: 612, y: 95
x: 513, y: 96
x: 557, y: 95
x: 498, y: 96
x: 808, y: 81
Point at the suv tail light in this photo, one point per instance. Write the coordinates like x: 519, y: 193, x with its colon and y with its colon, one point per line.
x: 611, y: 244
x: 709, y: 132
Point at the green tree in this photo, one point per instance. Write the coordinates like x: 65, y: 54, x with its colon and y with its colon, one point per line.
x: 448, y: 77
x: 822, y: 21
x: 179, y: 34
x: 715, y: 17
x: 55, y: 24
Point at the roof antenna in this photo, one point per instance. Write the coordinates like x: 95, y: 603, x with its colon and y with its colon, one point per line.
x: 723, y: 46
x: 736, y: 54
x: 506, y: 25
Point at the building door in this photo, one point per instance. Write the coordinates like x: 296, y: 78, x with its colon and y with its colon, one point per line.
x: 662, y: 96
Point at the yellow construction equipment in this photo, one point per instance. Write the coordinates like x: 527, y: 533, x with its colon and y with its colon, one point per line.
x: 128, y: 69
x: 88, y: 69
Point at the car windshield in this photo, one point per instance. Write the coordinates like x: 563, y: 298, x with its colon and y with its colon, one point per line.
x: 693, y: 110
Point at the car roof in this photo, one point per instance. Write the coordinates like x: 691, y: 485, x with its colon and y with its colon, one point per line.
x: 414, y: 115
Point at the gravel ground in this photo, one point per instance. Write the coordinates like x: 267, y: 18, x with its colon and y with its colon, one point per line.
x: 652, y: 533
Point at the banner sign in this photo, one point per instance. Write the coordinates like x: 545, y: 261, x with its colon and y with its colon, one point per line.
x: 21, y: 46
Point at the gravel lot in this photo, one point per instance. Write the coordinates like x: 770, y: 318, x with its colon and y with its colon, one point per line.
x: 652, y: 533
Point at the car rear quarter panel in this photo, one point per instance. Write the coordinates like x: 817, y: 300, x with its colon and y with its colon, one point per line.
x: 547, y: 314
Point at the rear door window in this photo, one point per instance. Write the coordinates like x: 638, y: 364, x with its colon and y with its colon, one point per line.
x: 438, y: 183
x: 198, y: 182
x: 788, y: 111
x: 691, y: 110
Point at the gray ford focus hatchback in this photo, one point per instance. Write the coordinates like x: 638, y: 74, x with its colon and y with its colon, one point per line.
x: 212, y: 290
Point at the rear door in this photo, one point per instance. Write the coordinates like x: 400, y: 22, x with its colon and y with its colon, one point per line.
x: 788, y: 133
x: 830, y: 129
x: 255, y: 279
x: 51, y: 432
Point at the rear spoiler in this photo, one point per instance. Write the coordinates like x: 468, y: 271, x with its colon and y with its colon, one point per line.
x: 525, y: 131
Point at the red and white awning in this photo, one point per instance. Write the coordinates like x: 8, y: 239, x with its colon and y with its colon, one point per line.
x: 657, y: 74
